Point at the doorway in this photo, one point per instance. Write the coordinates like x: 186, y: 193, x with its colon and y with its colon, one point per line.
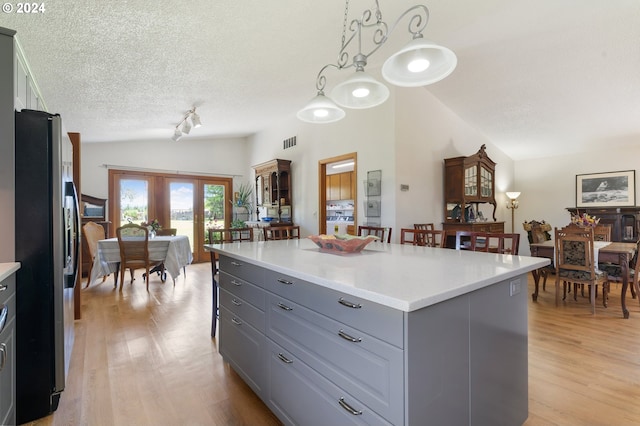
x: 338, y: 194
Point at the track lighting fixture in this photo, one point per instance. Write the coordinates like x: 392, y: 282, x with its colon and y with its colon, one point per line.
x: 419, y: 63
x: 192, y: 116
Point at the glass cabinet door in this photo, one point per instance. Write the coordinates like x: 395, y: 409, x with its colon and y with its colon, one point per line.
x: 471, y: 181
x: 486, y: 182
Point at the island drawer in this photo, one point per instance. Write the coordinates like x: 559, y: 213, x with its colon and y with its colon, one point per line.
x: 242, y: 269
x: 370, y: 369
x: 301, y: 396
x: 372, y: 318
x: 242, y: 309
x: 243, y: 289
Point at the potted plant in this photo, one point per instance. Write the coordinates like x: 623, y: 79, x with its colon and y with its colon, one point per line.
x: 243, y: 198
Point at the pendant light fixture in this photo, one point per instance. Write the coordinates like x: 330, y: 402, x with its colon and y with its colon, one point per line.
x: 186, y: 126
x: 418, y: 63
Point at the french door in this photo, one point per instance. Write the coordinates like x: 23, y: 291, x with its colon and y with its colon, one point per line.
x: 190, y: 204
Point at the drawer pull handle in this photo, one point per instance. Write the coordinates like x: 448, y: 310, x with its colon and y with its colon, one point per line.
x: 349, y: 408
x: 3, y: 287
x: 283, y: 281
x: 236, y: 302
x: 349, y: 304
x: 284, y: 307
x: 345, y: 336
x: 285, y: 359
x: 236, y: 263
x: 236, y: 283
x: 3, y: 355
x: 236, y: 321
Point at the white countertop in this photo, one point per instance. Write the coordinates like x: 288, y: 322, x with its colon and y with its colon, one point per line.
x: 403, y: 277
x: 7, y: 269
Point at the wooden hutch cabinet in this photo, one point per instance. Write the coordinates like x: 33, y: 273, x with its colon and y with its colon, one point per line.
x: 273, y: 190
x: 624, y: 221
x: 468, y: 182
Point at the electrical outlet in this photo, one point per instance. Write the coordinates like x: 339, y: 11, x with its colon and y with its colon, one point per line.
x: 514, y: 287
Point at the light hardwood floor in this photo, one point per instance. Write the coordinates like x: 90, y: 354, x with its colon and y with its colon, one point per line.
x: 147, y: 359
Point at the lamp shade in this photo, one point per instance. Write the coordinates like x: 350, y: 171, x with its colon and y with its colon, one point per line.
x: 186, y: 127
x: 513, y: 195
x: 360, y: 91
x: 321, y: 109
x: 419, y: 63
x: 195, y: 119
x: 176, y: 135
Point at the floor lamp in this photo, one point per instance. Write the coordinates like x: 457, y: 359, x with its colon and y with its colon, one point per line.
x: 513, y: 205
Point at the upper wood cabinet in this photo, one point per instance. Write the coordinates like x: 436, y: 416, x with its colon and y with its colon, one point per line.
x: 340, y: 186
x: 468, y: 180
x: 273, y: 189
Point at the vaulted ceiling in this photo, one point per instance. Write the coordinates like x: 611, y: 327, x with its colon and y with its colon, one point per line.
x: 537, y: 78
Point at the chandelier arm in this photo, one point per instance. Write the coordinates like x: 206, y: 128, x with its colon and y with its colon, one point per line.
x: 321, y: 80
x: 417, y: 23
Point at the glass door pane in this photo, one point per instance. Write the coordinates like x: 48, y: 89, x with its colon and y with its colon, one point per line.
x: 134, y: 201
x: 181, y: 208
x: 214, y: 208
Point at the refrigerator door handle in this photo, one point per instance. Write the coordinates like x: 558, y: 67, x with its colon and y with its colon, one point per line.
x: 70, y: 190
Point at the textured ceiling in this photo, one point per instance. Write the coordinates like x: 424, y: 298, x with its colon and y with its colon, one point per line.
x: 537, y: 78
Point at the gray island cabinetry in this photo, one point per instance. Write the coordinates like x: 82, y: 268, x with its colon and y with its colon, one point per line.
x: 326, y: 339
x: 7, y: 342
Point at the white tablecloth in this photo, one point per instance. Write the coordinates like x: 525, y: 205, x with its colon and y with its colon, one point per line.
x: 174, y: 251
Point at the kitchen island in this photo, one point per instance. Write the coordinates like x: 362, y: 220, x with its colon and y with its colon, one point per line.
x: 396, y: 334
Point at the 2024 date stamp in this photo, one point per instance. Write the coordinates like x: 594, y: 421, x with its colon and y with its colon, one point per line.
x: 23, y: 8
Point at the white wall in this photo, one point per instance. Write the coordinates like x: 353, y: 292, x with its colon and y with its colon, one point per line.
x: 548, y: 185
x: 223, y: 157
x: 368, y: 132
x: 427, y: 132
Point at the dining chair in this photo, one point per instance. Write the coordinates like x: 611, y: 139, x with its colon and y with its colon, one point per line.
x: 284, y: 232
x: 166, y: 232
x: 602, y: 232
x: 93, y: 233
x: 133, y: 241
x: 474, y: 241
x: 614, y: 272
x: 426, y: 227
x: 422, y: 237
x: 574, y: 263
x: 219, y: 236
x: 378, y: 231
x: 503, y: 243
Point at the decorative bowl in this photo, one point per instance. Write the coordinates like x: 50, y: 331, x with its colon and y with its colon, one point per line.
x: 267, y: 219
x: 341, y: 243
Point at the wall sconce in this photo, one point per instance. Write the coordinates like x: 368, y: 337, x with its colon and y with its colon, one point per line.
x: 513, y: 205
x: 186, y: 126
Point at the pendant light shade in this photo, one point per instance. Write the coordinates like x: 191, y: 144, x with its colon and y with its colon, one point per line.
x: 186, y: 127
x: 360, y: 91
x: 195, y: 119
x: 419, y: 63
x: 321, y: 109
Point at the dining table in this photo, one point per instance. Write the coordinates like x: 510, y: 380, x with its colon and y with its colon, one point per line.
x: 174, y: 251
x: 618, y: 253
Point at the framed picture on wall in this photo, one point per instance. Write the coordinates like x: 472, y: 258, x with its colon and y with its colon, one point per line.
x: 612, y: 189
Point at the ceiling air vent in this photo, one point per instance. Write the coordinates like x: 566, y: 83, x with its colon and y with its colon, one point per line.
x: 288, y: 143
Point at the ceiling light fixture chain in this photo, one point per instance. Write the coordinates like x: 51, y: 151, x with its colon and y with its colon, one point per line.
x: 419, y: 63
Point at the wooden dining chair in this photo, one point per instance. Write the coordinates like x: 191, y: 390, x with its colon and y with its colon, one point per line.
x: 219, y: 236
x: 426, y: 227
x: 166, y: 232
x: 602, y: 232
x: 93, y: 233
x: 574, y: 262
x: 503, y: 243
x: 133, y: 241
x: 422, y: 237
x: 383, y: 233
x: 614, y: 272
x: 474, y: 241
x: 284, y: 232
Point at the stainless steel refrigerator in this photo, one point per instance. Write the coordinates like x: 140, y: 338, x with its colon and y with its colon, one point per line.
x: 47, y: 246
